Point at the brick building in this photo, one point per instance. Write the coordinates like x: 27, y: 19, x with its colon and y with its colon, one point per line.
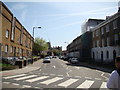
x: 81, y: 46
x: 15, y: 40
x: 106, y: 39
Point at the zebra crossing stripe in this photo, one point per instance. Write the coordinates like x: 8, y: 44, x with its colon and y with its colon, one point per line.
x: 9, y: 77
x: 36, y: 79
x: 86, y: 84
x: 68, y: 82
x: 26, y: 77
x: 51, y: 80
x: 103, y: 85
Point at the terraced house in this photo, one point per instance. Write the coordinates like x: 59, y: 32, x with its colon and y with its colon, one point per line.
x: 106, y: 39
x: 15, y: 40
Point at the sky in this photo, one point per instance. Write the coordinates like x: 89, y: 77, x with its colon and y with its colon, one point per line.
x: 60, y: 21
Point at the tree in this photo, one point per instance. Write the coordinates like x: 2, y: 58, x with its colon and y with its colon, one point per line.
x: 39, y: 46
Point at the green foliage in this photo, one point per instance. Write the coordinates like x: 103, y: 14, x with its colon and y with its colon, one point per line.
x: 56, y: 52
x: 39, y: 45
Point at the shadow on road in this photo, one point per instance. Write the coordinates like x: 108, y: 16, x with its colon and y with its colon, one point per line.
x: 95, y: 66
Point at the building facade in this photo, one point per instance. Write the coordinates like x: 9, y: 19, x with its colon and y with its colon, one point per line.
x: 15, y: 40
x: 81, y: 47
x: 106, y: 40
x: 89, y: 24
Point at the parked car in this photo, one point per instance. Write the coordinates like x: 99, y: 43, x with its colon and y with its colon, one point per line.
x: 73, y: 60
x: 46, y: 60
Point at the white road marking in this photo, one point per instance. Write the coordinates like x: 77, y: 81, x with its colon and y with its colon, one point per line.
x: 15, y: 84
x: 78, y: 76
x: 77, y: 67
x: 86, y: 84
x: 54, y: 66
x: 9, y: 77
x: 104, y: 76
x: 68, y: 75
x: 88, y: 77
x: 103, y: 85
x: 52, y: 74
x: 60, y: 75
x: 6, y: 82
x: 97, y: 78
x: 26, y: 77
x: 68, y: 82
x: 26, y: 86
x: 37, y: 79
x: 51, y: 80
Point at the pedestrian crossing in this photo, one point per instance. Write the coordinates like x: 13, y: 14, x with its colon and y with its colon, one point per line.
x: 62, y: 82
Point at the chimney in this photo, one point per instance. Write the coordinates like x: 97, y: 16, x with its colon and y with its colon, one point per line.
x: 119, y: 6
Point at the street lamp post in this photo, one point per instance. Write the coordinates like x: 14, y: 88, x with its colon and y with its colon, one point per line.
x: 33, y: 38
x: 34, y: 29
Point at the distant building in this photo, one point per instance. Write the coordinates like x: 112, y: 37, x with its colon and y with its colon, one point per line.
x: 89, y: 24
x: 81, y: 46
x: 15, y: 40
x: 106, y: 40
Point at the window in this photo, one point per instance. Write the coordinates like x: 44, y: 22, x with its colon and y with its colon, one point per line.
x: 97, y: 43
x: 6, y: 48
x: 107, y: 28
x: 102, y: 30
x: 108, y: 41
x: 116, y: 37
x: 7, y: 33
x: 102, y: 42
x: 11, y: 49
x: 107, y: 54
x: 93, y: 35
x: 20, y: 50
x: 115, y: 24
x: 96, y: 32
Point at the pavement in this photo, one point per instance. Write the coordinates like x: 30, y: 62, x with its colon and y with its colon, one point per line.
x: 31, y: 67
x: 37, y: 65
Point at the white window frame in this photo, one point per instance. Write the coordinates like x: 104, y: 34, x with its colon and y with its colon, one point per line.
x: 7, y: 34
x: 6, y: 48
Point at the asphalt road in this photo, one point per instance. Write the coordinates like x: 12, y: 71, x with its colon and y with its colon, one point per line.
x: 58, y: 74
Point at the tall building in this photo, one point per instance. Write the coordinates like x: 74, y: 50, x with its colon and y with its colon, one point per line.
x: 15, y: 40
x: 89, y: 24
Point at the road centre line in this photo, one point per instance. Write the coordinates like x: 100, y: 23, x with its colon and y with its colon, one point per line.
x: 104, y: 76
x: 68, y: 75
x: 6, y: 82
x: 97, y: 78
x: 26, y: 86
x: 15, y: 84
x: 60, y: 75
x: 52, y: 74
x: 78, y: 76
x: 88, y: 77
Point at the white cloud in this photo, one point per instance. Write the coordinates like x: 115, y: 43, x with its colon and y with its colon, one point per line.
x: 23, y: 15
x: 19, y: 6
x: 100, y: 11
